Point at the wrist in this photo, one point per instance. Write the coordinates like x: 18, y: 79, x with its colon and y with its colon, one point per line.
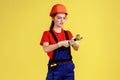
x: 58, y: 44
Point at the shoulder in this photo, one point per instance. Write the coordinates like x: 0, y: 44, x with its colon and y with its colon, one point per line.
x: 68, y: 31
x: 47, y: 32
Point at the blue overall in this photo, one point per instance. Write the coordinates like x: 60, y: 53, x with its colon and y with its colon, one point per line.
x: 65, y: 67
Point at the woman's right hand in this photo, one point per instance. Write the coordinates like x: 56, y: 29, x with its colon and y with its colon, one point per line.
x: 63, y: 43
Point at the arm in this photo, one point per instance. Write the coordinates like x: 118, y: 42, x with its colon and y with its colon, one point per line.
x: 48, y: 48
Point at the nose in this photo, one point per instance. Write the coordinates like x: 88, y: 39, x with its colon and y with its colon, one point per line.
x: 62, y: 20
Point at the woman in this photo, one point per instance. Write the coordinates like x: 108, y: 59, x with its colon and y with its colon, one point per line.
x: 56, y: 43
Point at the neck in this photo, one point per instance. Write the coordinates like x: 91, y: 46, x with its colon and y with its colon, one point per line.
x: 57, y: 29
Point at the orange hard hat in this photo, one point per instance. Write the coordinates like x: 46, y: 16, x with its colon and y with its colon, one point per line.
x: 58, y: 8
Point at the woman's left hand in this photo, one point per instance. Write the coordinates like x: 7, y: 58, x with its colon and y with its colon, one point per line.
x: 72, y: 42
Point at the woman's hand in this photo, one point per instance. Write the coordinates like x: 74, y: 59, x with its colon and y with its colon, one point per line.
x: 64, y: 43
x: 72, y: 42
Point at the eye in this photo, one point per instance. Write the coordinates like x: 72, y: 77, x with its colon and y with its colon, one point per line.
x: 64, y: 18
x: 58, y: 17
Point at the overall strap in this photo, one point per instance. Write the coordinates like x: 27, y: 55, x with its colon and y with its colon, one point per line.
x: 55, y: 38
x: 66, y: 35
x: 67, y: 38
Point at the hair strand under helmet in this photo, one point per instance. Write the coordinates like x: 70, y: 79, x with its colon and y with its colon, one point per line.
x: 58, y: 8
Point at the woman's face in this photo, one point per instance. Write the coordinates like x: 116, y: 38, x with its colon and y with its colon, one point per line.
x: 59, y: 19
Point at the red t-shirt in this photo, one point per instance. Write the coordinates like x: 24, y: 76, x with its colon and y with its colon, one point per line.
x: 47, y: 37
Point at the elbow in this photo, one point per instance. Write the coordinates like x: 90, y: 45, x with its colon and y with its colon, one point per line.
x: 45, y: 50
x: 76, y: 47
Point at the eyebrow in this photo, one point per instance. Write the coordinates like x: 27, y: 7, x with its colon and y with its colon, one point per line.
x: 61, y: 16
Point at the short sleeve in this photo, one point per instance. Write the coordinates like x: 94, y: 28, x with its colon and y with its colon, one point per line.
x: 45, y: 37
x: 69, y: 34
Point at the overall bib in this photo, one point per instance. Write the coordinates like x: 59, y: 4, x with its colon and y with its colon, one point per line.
x: 61, y: 67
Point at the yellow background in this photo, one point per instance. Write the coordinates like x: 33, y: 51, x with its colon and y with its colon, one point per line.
x: 22, y: 23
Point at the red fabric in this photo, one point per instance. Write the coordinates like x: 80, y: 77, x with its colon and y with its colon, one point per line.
x: 47, y: 37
